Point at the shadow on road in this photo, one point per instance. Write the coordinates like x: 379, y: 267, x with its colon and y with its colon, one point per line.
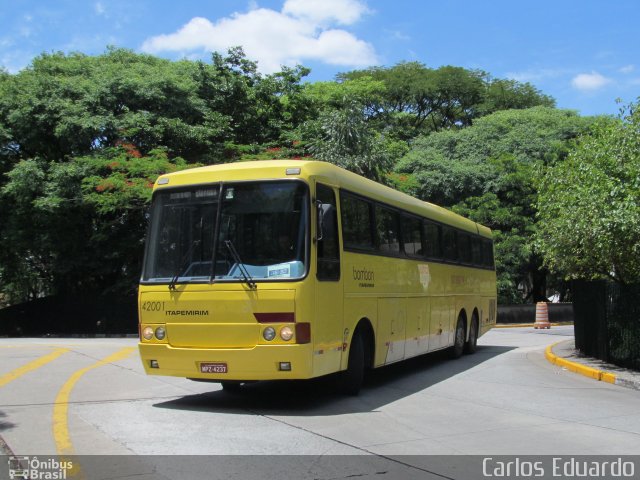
x: 4, y: 425
x: 318, y: 397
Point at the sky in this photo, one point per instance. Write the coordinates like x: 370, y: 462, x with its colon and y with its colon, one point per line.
x: 584, y: 53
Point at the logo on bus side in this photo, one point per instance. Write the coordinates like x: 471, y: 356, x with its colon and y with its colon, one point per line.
x: 187, y: 313
x: 365, y: 277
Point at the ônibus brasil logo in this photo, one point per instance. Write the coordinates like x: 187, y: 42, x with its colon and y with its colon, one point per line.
x: 32, y: 468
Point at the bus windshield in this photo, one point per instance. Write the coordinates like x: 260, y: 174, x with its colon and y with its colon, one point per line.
x: 261, y: 232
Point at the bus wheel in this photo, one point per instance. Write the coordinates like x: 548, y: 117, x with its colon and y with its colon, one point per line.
x: 350, y: 380
x: 231, y: 387
x: 472, y: 345
x: 458, y: 345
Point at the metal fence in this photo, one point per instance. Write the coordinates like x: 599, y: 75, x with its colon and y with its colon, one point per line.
x: 83, y: 314
x: 607, y: 321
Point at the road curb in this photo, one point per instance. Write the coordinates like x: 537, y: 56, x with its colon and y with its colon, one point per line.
x: 590, y: 372
x: 525, y: 325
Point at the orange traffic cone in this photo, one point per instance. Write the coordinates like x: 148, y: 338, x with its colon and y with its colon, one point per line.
x: 542, y: 316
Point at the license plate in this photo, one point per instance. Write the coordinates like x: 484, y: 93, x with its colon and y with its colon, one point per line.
x: 213, y: 368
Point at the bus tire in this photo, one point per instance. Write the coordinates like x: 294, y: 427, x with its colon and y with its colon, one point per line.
x: 231, y: 386
x: 472, y: 344
x: 350, y: 380
x: 458, y: 343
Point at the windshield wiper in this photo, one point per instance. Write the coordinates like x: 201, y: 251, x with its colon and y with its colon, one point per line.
x: 182, y: 267
x: 241, y: 267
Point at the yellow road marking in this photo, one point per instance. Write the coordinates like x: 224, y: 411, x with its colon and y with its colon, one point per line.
x: 61, y: 405
x: 12, y: 375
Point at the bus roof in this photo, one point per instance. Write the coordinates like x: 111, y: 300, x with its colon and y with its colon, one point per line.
x: 332, y: 174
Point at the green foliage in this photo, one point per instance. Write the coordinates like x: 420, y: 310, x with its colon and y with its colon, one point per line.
x: 70, y: 105
x: 506, y: 207
x: 344, y: 138
x: 79, y: 225
x: 589, y: 205
x: 82, y: 138
x: 363, y: 91
x: 487, y: 172
x: 452, y: 165
x: 418, y: 99
x: 510, y: 94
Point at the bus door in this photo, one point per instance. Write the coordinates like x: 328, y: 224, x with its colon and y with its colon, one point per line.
x: 328, y: 326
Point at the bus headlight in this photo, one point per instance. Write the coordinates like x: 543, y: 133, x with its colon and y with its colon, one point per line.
x: 147, y: 333
x: 160, y: 333
x: 269, y: 334
x: 286, y: 333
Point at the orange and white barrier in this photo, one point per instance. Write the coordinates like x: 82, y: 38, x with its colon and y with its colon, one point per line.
x: 542, y: 316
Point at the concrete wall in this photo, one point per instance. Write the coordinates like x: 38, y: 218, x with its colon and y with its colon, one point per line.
x: 558, y: 312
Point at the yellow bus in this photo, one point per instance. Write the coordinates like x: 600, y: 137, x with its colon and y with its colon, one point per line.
x: 290, y: 269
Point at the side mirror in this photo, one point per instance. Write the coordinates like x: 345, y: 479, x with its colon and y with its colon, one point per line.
x: 320, y: 224
x: 326, y: 220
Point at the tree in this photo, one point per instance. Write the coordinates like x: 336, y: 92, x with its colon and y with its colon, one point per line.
x: 487, y: 172
x: 77, y: 226
x: 362, y: 90
x: 507, y: 207
x: 70, y: 105
x: 417, y: 99
x: 83, y: 138
x: 501, y: 94
x: 344, y: 138
x: 589, y: 204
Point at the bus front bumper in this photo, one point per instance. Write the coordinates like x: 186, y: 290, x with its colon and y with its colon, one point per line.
x: 262, y: 362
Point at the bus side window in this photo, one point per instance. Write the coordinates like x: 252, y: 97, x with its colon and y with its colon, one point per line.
x: 387, y: 230
x: 476, y: 249
x: 328, y: 247
x: 356, y: 222
x: 450, y: 244
x: 412, y: 236
x: 487, y: 247
x: 433, y: 243
x: 464, y: 248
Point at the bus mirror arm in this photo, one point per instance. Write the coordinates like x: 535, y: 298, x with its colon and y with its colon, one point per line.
x: 320, y: 211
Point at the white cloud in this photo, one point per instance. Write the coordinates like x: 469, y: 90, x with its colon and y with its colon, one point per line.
x: 99, y: 8
x: 627, y: 69
x: 536, y: 75
x: 274, y: 38
x: 343, y: 12
x: 589, y: 82
x: 398, y: 35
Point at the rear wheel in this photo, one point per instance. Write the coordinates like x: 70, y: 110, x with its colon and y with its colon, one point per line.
x: 472, y: 344
x: 458, y: 345
x: 350, y: 380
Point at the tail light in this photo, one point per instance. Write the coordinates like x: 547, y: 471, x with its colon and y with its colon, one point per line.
x: 303, y: 333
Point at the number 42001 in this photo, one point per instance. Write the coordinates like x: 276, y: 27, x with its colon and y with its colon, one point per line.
x: 152, y: 306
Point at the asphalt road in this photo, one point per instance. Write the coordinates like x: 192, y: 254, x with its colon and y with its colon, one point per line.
x: 91, y: 397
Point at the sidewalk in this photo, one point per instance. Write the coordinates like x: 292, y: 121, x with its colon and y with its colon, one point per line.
x: 564, y: 354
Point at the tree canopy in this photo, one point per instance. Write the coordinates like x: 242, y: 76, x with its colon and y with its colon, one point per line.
x: 417, y: 99
x: 82, y: 138
x: 487, y: 172
x: 589, y: 204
